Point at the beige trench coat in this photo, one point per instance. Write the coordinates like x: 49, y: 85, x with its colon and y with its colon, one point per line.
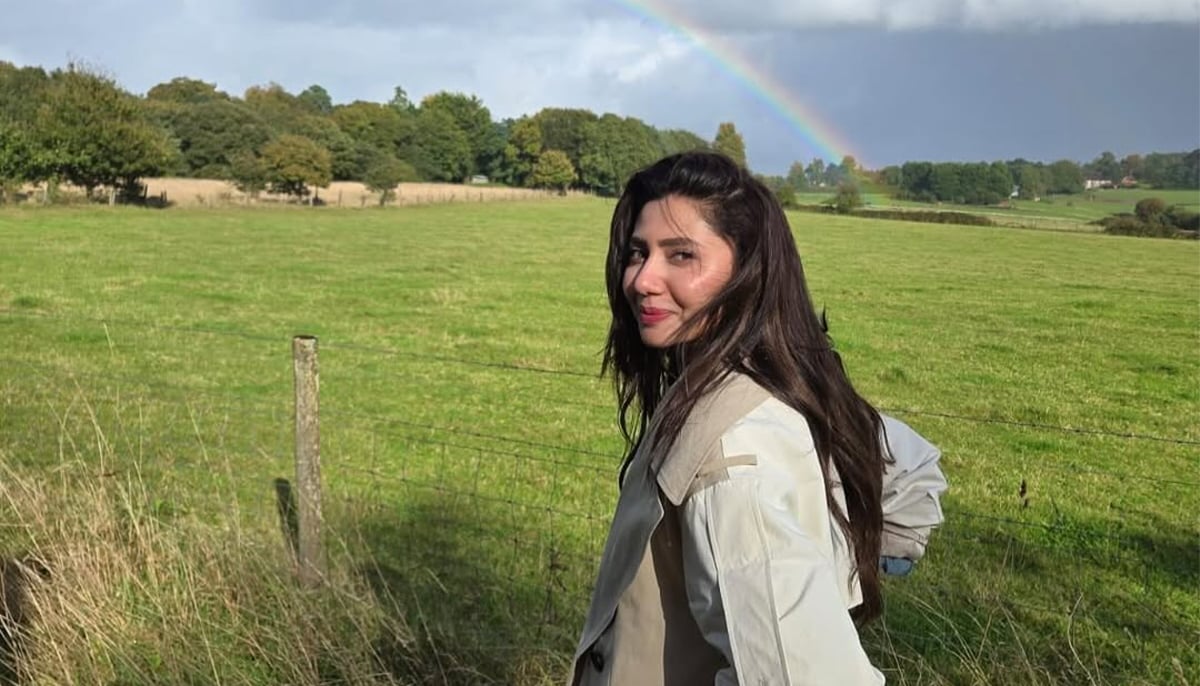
x: 723, y: 565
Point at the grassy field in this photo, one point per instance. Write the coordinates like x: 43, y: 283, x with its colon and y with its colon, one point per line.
x: 1071, y: 212
x: 469, y: 451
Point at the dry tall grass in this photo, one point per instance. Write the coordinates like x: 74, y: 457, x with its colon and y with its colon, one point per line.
x: 105, y: 579
x: 207, y: 192
x: 133, y: 592
x: 184, y: 192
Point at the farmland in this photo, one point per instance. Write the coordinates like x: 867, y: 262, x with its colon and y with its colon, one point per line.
x: 470, y: 450
x: 1061, y: 212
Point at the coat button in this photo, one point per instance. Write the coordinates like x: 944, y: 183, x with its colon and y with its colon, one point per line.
x: 597, y: 660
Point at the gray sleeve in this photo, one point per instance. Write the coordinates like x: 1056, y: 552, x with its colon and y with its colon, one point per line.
x: 912, y: 488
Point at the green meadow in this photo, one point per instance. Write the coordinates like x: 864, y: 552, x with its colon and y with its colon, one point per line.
x: 469, y: 449
x: 1061, y: 212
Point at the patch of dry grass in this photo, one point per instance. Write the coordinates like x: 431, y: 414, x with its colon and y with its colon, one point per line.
x: 132, y: 592
x: 183, y: 192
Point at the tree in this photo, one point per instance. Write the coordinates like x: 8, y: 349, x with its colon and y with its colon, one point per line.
x: 796, y: 178
x: 21, y: 90
x: 522, y: 151
x: 385, y: 128
x: 835, y: 175
x: 1106, y: 167
x: 350, y: 162
x: 440, y: 150
x: 729, y: 143
x: 1064, y: 176
x: 248, y: 173
x: 474, y: 120
x: 1032, y: 181
x: 96, y: 134
x: 385, y: 175
x: 1172, y: 170
x: 293, y: 163
x: 400, y: 102
x: 316, y: 99
x: 1190, y: 176
x: 278, y: 108
x: 948, y: 182
x: 211, y: 133
x: 616, y: 147
x: 566, y: 130
x: 553, y: 170
x: 815, y: 172
x: 1000, y: 180
x: 892, y: 176
x: 672, y: 141
x: 185, y: 91
x: 20, y: 160
x: 850, y: 168
x: 1131, y: 165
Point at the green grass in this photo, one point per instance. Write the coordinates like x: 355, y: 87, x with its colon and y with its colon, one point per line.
x: 475, y: 495
x: 1072, y: 212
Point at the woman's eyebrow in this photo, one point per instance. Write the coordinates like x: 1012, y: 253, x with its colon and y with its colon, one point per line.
x: 676, y: 242
x: 673, y: 242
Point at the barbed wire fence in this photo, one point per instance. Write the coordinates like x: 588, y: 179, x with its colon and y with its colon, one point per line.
x: 496, y: 536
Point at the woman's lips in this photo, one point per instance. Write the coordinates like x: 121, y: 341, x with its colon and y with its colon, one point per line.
x: 652, y: 315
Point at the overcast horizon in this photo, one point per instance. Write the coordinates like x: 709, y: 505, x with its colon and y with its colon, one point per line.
x: 905, y: 80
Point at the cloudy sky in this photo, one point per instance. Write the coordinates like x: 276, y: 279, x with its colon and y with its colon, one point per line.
x: 885, y: 80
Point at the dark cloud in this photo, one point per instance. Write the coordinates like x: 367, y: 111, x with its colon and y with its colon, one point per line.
x: 1018, y: 88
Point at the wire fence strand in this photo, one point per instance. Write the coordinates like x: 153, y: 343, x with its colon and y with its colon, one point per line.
x: 332, y: 342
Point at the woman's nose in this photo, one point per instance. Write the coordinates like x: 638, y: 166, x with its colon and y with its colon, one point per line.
x: 648, y: 280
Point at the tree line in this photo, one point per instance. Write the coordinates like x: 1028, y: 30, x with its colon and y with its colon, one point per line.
x: 77, y: 125
x: 989, y: 183
x: 985, y: 183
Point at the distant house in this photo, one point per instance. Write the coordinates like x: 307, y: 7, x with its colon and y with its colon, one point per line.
x: 1091, y: 184
x: 1016, y: 192
x: 479, y: 179
x: 1129, y: 182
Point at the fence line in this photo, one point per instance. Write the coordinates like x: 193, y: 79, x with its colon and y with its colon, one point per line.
x: 538, y: 559
x: 1037, y: 425
x: 505, y: 453
x: 522, y: 368
x: 445, y: 490
x: 379, y: 419
x: 1054, y: 528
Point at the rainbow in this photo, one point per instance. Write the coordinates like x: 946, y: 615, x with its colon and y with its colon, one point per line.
x: 820, y: 136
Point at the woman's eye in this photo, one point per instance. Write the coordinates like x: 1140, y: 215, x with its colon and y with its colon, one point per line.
x: 634, y: 256
x: 682, y: 255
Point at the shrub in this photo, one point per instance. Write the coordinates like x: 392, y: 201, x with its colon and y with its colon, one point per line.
x: 1182, y: 219
x: 786, y: 195
x: 847, y: 199
x: 1169, y: 222
x: 1149, y: 209
x: 923, y: 216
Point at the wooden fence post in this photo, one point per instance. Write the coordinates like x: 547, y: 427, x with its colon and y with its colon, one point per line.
x: 311, y: 558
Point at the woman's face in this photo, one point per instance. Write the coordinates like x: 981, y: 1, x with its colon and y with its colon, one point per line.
x: 676, y: 264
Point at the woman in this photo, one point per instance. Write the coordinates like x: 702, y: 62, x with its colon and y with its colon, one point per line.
x: 747, y: 536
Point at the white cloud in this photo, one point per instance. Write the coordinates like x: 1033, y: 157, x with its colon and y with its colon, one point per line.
x: 667, y: 49
x: 769, y: 15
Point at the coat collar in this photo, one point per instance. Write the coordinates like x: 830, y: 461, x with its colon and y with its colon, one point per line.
x: 734, y: 396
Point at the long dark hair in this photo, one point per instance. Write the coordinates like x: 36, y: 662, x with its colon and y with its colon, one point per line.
x: 762, y: 324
